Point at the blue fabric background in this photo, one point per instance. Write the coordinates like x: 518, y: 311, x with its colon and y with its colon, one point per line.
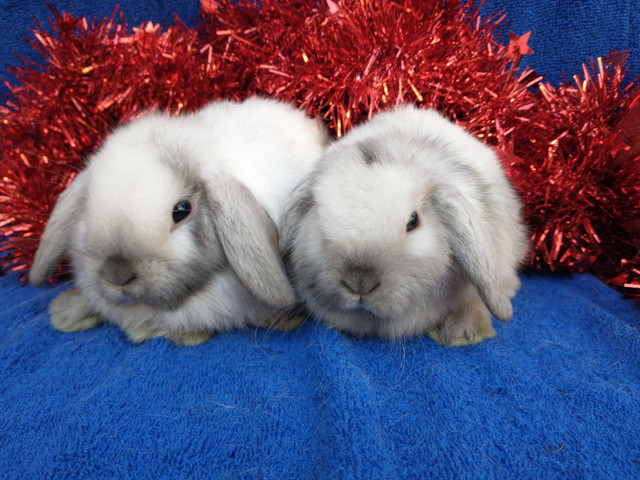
x: 566, y: 33
x: 555, y: 395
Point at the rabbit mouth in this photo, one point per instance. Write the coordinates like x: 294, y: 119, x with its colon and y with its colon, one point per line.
x: 360, y: 308
x: 119, y: 294
x: 133, y: 294
x: 126, y: 283
x: 359, y: 320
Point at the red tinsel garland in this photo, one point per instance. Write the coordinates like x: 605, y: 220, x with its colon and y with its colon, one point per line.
x: 562, y: 147
x: 581, y: 177
x: 348, y: 60
x: 572, y: 152
x: 95, y: 75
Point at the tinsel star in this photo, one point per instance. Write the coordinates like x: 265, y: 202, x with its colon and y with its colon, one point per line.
x: 518, y: 45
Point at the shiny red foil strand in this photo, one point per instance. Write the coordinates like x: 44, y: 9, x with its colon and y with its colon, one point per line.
x: 346, y: 60
x: 94, y: 74
x: 581, y: 181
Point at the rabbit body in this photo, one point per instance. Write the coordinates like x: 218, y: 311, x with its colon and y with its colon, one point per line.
x: 407, y: 226
x: 171, y: 226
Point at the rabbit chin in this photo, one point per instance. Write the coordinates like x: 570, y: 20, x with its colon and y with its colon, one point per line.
x: 366, y: 319
x: 362, y: 322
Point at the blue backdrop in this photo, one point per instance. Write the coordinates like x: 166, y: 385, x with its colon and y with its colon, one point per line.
x: 555, y: 395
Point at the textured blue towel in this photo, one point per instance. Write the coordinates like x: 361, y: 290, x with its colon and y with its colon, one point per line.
x: 555, y: 395
x: 566, y: 33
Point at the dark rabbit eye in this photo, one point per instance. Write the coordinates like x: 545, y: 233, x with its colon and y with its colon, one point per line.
x: 414, y: 221
x: 181, y: 210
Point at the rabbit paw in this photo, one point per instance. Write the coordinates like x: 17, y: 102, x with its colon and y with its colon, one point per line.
x: 138, y: 334
x: 468, y: 325
x: 191, y: 339
x: 70, y: 313
x: 144, y: 331
x: 513, y: 285
x: 287, y: 321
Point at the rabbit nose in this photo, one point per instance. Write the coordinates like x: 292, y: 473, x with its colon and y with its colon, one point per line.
x: 360, y: 280
x: 118, y: 270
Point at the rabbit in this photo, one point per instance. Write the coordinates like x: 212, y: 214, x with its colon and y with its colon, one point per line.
x: 171, y: 227
x: 407, y: 226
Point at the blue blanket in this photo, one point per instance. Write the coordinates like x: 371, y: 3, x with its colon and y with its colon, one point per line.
x: 555, y: 395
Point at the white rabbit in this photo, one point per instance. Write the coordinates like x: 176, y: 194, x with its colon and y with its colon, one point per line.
x: 170, y: 227
x: 407, y: 226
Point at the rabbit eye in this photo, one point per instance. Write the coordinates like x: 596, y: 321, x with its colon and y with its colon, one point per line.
x: 414, y: 221
x: 181, y: 210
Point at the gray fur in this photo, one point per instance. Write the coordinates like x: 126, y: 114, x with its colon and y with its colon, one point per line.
x: 296, y: 206
x: 357, y: 268
x: 360, y: 279
x: 469, y: 241
x: 250, y: 241
x: 118, y: 270
x: 217, y: 268
x: 57, y: 234
x: 370, y: 152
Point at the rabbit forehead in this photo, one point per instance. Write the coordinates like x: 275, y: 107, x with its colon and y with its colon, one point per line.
x: 133, y: 190
x: 358, y: 199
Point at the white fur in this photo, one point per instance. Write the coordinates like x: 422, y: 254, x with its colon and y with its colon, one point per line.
x: 122, y: 205
x: 357, y: 212
x: 249, y: 139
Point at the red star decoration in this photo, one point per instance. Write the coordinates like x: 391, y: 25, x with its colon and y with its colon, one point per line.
x: 518, y: 45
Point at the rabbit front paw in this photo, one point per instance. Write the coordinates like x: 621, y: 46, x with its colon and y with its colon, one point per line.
x: 468, y: 325
x: 70, y: 312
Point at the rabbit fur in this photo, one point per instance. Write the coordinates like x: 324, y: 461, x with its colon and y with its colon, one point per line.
x: 171, y: 227
x: 408, y: 225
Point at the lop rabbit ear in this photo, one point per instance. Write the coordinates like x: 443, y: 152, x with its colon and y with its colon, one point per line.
x: 470, y: 242
x: 57, y: 233
x: 250, y: 242
x: 298, y: 203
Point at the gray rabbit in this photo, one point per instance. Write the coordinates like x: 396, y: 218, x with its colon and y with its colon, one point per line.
x: 171, y: 226
x: 407, y: 226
